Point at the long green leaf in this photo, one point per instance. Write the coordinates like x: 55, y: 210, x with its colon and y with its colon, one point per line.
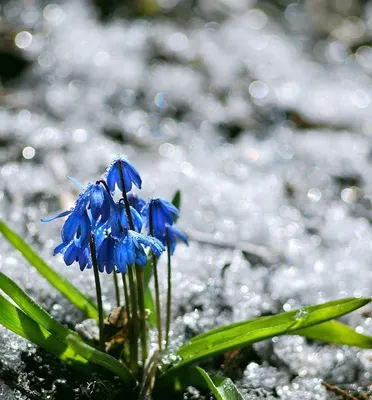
x: 176, y: 201
x: 101, y: 359
x: 18, y: 322
x: 77, y: 298
x: 32, y: 309
x: 238, y: 335
x: 336, y: 332
x: 222, y: 388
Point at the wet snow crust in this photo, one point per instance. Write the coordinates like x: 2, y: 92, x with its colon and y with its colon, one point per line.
x: 170, y: 93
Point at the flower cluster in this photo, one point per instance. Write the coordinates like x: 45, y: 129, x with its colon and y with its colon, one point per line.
x: 112, y: 229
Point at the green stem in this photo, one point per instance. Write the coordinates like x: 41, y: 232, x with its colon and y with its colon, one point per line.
x: 129, y: 317
x: 133, y: 297
x: 157, y: 299
x: 99, y: 294
x: 141, y: 303
x: 117, y: 292
x: 169, y: 294
x: 126, y: 295
x: 156, y: 281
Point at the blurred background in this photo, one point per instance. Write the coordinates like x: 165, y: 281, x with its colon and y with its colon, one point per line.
x: 258, y: 111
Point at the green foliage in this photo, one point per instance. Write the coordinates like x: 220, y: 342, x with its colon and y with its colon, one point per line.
x: 101, y: 359
x: 242, y: 334
x: 336, y: 332
x: 18, y: 322
x: 176, y: 201
x: 221, y: 387
x: 32, y: 309
x: 32, y: 322
x: 78, y: 299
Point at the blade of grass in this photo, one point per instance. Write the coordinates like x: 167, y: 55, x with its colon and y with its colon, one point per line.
x: 18, y: 322
x: 77, y: 298
x: 176, y: 201
x: 32, y: 309
x: 221, y: 387
x: 241, y: 334
x: 336, y: 332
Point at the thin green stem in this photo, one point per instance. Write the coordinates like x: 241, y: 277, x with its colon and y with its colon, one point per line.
x: 133, y: 297
x: 99, y: 293
x: 157, y: 299
x: 117, y: 291
x: 156, y: 282
x: 126, y: 295
x: 169, y: 293
x: 129, y: 317
x: 141, y: 303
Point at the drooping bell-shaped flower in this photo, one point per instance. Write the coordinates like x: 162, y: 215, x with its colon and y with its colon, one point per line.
x: 120, y: 170
x: 174, y: 234
x: 159, y: 215
x: 136, y: 202
x: 72, y: 253
x: 129, y: 249
x: 105, y: 254
x: 92, y: 206
x: 123, y: 218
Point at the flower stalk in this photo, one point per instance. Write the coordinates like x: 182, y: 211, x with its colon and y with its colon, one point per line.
x: 98, y: 293
x: 117, y: 290
x: 169, y: 291
x: 156, y: 281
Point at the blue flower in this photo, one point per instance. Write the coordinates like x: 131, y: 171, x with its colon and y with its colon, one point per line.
x: 130, y: 176
x: 105, y: 254
x: 136, y: 202
x: 159, y: 214
x: 129, y: 249
x: 92, y: 206
x: 73, y: 253
x: 173, y: 234
x: 121, y: 216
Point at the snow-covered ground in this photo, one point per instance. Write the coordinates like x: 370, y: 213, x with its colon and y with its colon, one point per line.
x: 167, y: 92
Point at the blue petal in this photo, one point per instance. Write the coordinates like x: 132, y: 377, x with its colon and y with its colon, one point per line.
x: 120, y: 259
x: 171, y: 207
x: 137, y: 202
x: 178, y: 233
x: 155, y: 244
x: 84, y: 259
x: 60, y: 215
x: 96, y: 201
x: 137, y: 219
x: 70, y: 254
x: 77, y: 183
x: 59, y: 248
x: 141, y: 258
x: 83, y: 238
x: 70, y: 227
x: 113, y: 177
x: 134, y: 175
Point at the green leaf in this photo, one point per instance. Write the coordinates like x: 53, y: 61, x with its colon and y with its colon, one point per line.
x: 102, y: 359
x: 32, y: 309
x: 147, y: 272
x: 176, y: 201
x: 222, y: 388
x: 336, y: 332
x: 18, y: 322
x: 242, y: 334
x: 77, y: 298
